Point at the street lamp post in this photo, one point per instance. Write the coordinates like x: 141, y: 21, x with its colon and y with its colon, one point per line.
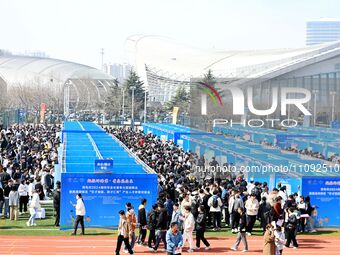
x: 333, y: 93
x: 315, y: 91
x: 145, y: 99
x: 132, y: 106
x: 123, y: 105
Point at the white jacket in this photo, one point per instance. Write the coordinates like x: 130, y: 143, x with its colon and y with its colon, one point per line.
x: 80, y: 207
x: 189, y: 223
x: 252, y: 207
x: 35, y: 202
x: 210, y: 204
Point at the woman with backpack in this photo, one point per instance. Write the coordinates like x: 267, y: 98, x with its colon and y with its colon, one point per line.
x: 291, y: 228
x: 215, y: 204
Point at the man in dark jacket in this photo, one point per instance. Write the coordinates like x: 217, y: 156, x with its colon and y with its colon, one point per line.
x: 152, y: 225
x: 265, y: 214
x: 200, y: 228
x: 142, y: 222
x: 169, y: 207
x: 162, y: 226
x: 56, y: 205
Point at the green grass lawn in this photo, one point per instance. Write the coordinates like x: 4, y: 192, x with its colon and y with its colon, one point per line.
x: 45, y: 227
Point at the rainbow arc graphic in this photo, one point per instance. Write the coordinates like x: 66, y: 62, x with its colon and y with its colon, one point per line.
x: 212, y: 92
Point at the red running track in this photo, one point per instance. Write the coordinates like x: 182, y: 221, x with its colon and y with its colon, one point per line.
x: 79, y: 245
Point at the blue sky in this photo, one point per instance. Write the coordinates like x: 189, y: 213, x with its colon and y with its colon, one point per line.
x: 75, y: 30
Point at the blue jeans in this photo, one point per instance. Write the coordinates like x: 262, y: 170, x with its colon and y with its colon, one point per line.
x: 6, y: 212
x: 33, y: 213
x: 132, y: 241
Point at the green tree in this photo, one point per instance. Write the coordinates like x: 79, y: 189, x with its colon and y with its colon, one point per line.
x: 209, y: 78
x: 113, y: 100
x: 181, y: 99
x: 134, y: 80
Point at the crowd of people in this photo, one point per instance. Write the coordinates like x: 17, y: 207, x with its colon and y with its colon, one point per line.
x: 27, y: 156
x: 186, y: 204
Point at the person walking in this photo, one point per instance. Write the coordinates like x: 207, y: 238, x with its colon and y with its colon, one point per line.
x: 189, y: 225
x: 241, y: 235
x: 215, y: 204
x: 279, y: 240
x: 174, y: 240
x: 132, y: 218
x: 56, y: 205
x: 234, y: 203
x: 2, y: 200
x: 252, y: 206
x: 200, y: 229
x: 162, y: 226
x: 124, y: 233
x: 177, y: 216
x: 80, y: 213
x: 34, y: 207
x: 13, y: 200
x: 23, y: 197
x: 142, y: 222
x: 7, y: 190
x: 269, y: 241
x: 152, y: 225
x: 265, y: 213
x: 291, y: 228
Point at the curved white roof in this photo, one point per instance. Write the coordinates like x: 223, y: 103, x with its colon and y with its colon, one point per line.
x: 169, y: 58
x: 20, y: 69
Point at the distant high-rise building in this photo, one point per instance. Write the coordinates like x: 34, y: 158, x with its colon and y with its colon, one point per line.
x: 322, y: 30
x: 36, y: 53
x: 119, y: 71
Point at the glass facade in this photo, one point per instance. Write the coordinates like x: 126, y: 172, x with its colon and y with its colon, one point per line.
x: 322, y: 31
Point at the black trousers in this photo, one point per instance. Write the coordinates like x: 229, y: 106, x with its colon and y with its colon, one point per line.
x: 251, y: 219
x: 200, y: 237
x: 235, y: 219
x: 161, y: 235
x: 23, y: 201
x: 120, y: 240
x: 170, y: 253
x: 79, y: 219
x: 57, y: 216
x: 152, y: 237
x: 142, y: 235
x: 291, y: 237
x: 226, y: 216
x: 217, y: 219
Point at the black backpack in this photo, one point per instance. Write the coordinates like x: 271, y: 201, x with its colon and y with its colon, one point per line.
x: 215, y: 201
x: 292, y: 222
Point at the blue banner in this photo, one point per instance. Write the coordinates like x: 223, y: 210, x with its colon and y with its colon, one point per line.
x: 104, y: 196
x: 335, y: 124
x: 325, y: 194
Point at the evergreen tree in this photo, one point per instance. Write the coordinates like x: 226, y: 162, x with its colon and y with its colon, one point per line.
x: 181, y: 99
x: 134, y: 80
x: 209, y: 78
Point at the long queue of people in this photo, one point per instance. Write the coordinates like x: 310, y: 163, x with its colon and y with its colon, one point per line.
x: 193, y: 204
x: 27, y: 156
